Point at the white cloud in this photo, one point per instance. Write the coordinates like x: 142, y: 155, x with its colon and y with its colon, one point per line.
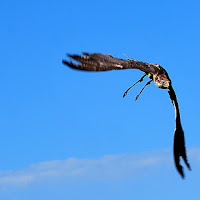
x: 104, y: 168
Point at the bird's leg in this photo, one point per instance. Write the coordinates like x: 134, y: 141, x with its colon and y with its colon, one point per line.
x: 148, y: 83
x: 141, y: 79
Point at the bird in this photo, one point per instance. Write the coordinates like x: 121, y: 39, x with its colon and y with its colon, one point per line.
x: 156, y: 73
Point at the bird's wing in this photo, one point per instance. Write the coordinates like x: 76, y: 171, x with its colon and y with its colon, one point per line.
x: 103, y: 62
x: 179, y: 140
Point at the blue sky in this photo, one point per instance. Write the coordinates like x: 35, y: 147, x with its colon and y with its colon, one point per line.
x: 70, y: 135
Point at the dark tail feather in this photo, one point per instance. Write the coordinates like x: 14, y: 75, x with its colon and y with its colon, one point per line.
x: 179, y: 149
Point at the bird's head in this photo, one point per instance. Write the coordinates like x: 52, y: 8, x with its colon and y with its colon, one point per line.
x: 162, y: 81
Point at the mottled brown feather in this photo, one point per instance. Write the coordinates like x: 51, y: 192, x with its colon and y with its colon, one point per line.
x: 102, y: 62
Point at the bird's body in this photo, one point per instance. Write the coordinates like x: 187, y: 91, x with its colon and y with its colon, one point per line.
x: 156, y: 73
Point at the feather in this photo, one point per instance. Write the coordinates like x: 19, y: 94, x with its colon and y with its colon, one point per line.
x: 179, y: 140
x: 103, y: 62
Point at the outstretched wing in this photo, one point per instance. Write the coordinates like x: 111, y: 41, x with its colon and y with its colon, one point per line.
x: 179, y: 140
x: 102, y: 62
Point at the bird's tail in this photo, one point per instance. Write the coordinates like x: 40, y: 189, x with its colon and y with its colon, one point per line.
x: 179, y: 149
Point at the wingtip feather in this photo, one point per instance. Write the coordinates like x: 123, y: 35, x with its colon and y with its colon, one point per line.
x: 69, y: 64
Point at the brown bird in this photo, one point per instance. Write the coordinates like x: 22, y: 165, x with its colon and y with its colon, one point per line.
x: 156, y: 73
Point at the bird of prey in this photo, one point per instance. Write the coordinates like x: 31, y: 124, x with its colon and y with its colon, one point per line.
x: 156, y: 73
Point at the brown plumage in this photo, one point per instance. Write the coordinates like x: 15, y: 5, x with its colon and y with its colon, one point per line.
x: 156, y: 73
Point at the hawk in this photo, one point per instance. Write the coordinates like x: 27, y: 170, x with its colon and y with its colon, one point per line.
x: 156, y: 73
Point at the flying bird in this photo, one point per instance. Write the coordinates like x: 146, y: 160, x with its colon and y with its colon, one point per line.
x: 156, y: 73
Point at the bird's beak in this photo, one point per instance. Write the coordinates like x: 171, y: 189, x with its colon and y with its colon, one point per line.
x: 166, y: 84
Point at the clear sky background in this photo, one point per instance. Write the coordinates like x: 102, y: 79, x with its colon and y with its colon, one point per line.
x: 67, y: 134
